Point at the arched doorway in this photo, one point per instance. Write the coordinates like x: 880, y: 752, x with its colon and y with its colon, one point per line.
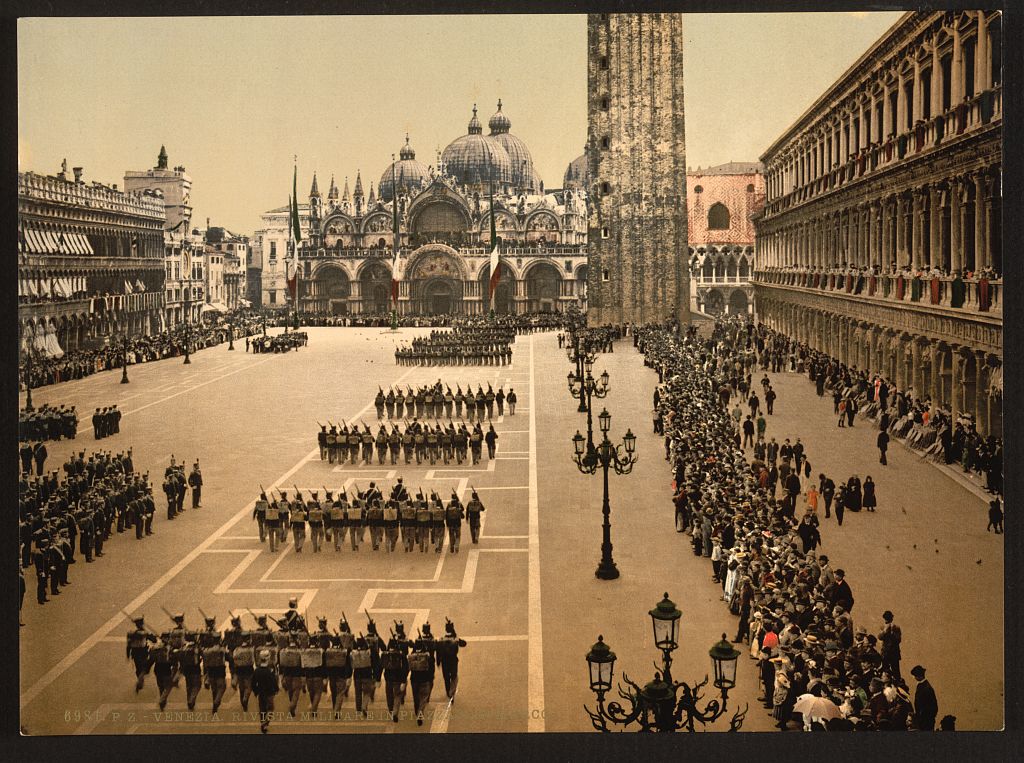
x: 738, y: 303
x: 543, y: 287
x: 438, y: 296
x: 375, y: 283
x: 333, y: 289
x: 504, y: 292
x: 714, y: 303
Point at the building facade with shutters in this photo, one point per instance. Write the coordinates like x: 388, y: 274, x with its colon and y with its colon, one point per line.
x: 90, y: 262
x: 880, y: 240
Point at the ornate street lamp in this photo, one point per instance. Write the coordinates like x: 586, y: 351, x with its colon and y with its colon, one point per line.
x: 231, y: 333
x: 582, y: 356
x: 29, y: 356
x: 584, y: 390
x: 607, y: 456
x: 662, y: 705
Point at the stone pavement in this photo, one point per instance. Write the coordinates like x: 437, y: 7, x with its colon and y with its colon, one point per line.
x: 526, y: 598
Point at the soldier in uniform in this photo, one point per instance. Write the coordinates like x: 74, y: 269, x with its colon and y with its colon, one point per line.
x: 407, y: 444
x: 420, y: 438
x: 378, y: 403
x: 491, y: 438
x: 489, y: 401
x: 475, y: 440
x: 512, y: 399
x: 330, y: 444
x: 390, y: 526
x: 421, y: 677
x: 375, y: 519
x: 339, y: 665
x: 389, y: 403
x: 437, y: 514
x: 273, y: 524
x: 432, y: 443
x: 337, y: 519
x: 316, y: 522
x: 367, y: 440
x: 313, y: 663
x: 354, y: 518
x: 362, y: 673
x: 163, y: 668
x: 259, y: 513
x: 293, y: 621
x: 180, y: 482
x: 353, y: 444
x: 137, y: 650
x: 396, y: 670
x: 289, y: 660
x: 232, y: 639
x: 422, y: 522
x: 499, y: 398
x: 170, y: 490
x: 447, y: 438
x: 407, y: 523
x: 453, y: 519
x: 473, y: 509
x: 447, y: 650
x: 399, y: 404
x: 394, y: 444
x: 214, y: 658
x: 41, y: 559
x: 297, y: 520
x: 458, y: 399
x: 321, y: 440
x: 87, y: 534
x: 373, y: 640
x: 242, y: 665
x: 188, y: 659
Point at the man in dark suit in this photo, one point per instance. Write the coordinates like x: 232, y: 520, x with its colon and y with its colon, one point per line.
x: 883, y: 445
x: 926, y: 706
x: 842, y: 595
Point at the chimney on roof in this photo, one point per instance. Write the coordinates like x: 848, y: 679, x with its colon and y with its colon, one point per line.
x: 78, y: 174
x: 114, y: 186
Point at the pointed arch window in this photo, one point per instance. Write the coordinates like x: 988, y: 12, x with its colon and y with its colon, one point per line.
x: 718, y: 217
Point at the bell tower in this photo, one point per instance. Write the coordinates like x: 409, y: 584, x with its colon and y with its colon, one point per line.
x: 637, y: 233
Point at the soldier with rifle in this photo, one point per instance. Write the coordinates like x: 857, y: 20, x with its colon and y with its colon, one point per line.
x: 259, y: 513
x: 297, y: 520
x: 447, y: 650
x: 355, y: 519
x: 437, y: 514
x: 137, y: 650
x: 316, y: 521
x: 214, y: 657
x: 373, y: 640
x: 407, y: 523
x: 453, y: 519
x: 396, y: 669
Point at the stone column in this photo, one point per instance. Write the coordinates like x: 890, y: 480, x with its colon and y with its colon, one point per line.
x: 979, y: 405
x: 918, y: 100
x: 915, y: 367
x: 982, y: 71
x: 956, y: 89
x: 935, y: 386
x: 980, y: 210
x: 900, y: 223
x: 956, y: 210
x: 917, y: 226
x: 957, y: 402
x: 934, y: 227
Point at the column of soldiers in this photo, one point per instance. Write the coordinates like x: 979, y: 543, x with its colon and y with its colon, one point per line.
x: 418, y: 440
x: 420, y: 522
x: 48, y: 423
x: 296, y: 660
x: 437, y: 401
x: 463, y: 346
x: 94, y: 498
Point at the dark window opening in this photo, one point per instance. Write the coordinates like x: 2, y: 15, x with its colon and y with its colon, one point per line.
x: 908, y: 99
x: 926, y: 94
x: 946, y: 64
x: 604, y: 104
x: 604, y: 275
x: 606, y: 188
x: 604, y: 62
x: 893, y: 108
x: 605, y: 142
x: 995, y: 47
x: 969, y: 47
x: 750, y: 188
x: 718, y: 217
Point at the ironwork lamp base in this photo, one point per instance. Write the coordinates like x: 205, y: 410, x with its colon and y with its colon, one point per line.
x: 607, y: 571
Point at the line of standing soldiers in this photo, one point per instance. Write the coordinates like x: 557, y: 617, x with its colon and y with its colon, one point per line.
x: 106, y: 422
x: 47, y: 423
x: 176, y: 485
x: 437, y: 401
x: 463, y: 346
x: 303, y: 661
x: 418, y: 440
x: 421, y: 521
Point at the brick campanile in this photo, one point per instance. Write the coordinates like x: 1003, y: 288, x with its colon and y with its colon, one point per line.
x: 637, y: 229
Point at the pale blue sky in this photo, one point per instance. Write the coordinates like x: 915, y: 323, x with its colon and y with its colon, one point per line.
x: 234, y: 98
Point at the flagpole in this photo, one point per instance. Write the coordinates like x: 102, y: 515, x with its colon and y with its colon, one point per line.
x: 394, y: 272
x: 494, y: 238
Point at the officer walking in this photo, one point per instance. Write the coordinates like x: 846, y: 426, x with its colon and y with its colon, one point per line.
x: 473, y: 509
x: 447, y: 649
x: 137, y: 650
x: 265, y: 686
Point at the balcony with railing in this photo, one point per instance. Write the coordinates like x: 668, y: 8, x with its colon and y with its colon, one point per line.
x: 979, y: 296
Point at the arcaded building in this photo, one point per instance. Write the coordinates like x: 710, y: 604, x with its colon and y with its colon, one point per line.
x: 880, y: 238
x: 444, y: 230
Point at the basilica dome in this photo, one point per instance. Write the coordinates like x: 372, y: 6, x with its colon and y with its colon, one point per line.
x: 523, y: 175
x: 577, y: 174
x: 473, y: 157
x: 409, y: 173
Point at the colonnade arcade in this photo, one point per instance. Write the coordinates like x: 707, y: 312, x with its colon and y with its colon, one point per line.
x: 959, y: 378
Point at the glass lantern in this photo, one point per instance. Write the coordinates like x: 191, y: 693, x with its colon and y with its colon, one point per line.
x: 665, y: 619
x: 630, y: 441
x: 605, y: 420
x: 601, y: 663
x: 723, y: 661
x: 578, y: 443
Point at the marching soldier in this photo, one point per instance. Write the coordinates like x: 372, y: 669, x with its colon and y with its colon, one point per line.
x: 189, y: 665
x: 399, y: 404
x: 499, y: 398
x: 289, y: 660
x: 422, y: 522
x: 473, y: 509
x: 273, y: 524
x: 232, y: 639
x: 330, y: 444
x: 354, y: 518
x: 316, y: 523
x: 259, y: 513
x: 313, y: 663
x: 512, y: 399
x: 138, y: 650
x: 437, y: 514
x: 447, y: 439
x: 321, y: 440
x: 389, y: 403
x: 390, y: 526
x: 382, y: 444
x: 353, y: 444
x: 367, y: 440
x: 432, y: 445
x: 407, y: 524
x: 373, y: 640
x: 447, y: 650
x: 396, y: 670
x: 489, y: 401
x: 375, y: 519
x: 453, y: 519
x: 458, y: 399
x: 284, y: 514
x: 394, y: 444
x: 420, y: 439
x: 163, y: 669
x: 362, y: 673
x: 293, y: 621
x: 421, y: 677
x: 243, y: 667
x: 337, y: 520
x: 449, y: 402
x: 407, y: 444
x: 491, y: 438
x: 378, y: 403
x: 297, y: 520
x: 475, y: 440
x: 214, y: 657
